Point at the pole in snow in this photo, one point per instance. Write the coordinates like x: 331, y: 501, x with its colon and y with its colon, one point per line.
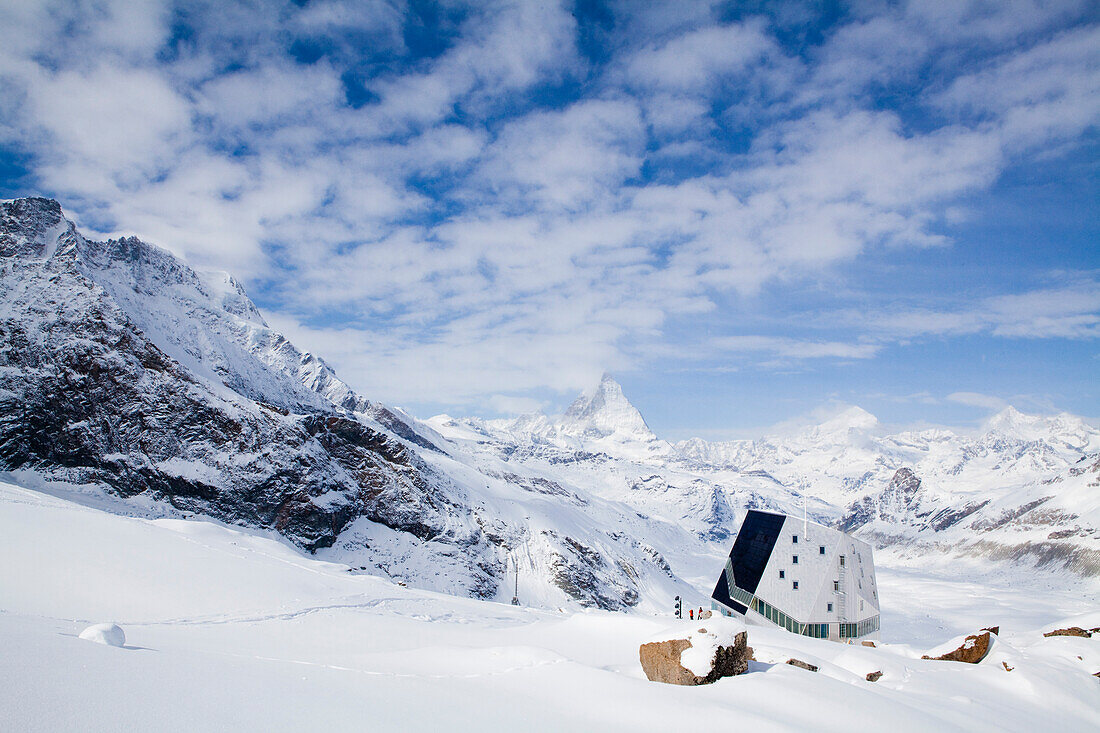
x: 515, y: 596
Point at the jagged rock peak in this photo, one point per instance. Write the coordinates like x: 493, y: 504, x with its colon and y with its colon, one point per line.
x: 30, y: 227
x: 904, y: 481
x: 606, y: 411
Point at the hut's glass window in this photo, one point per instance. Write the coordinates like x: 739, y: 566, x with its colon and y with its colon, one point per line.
x: 830, y: 608
x: 796, y: 585
x: 794, y: 559
x: 794, y: 538
x: 782, y: 574
x: 821, y: 550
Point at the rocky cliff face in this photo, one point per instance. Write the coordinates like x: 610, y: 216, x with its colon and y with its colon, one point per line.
x: 89, y: 397
x: 900, y: 499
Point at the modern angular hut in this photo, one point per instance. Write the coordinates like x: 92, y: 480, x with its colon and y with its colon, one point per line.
x: 802, y: 576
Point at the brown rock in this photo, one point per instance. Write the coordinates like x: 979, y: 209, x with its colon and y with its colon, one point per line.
x: 1007, y: 668
x: 749, y: 654
x: 874, y: 676
x: 868, y: 643
x: 995, y: 630
x: 1071, y: 631
x: 661, y: 661
x: 801, y: 664
x: 972, y: 651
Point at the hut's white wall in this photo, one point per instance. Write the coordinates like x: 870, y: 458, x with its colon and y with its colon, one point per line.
x: 819, y: 549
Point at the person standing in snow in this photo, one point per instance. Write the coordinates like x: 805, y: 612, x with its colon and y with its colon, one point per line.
x: 691, y: 614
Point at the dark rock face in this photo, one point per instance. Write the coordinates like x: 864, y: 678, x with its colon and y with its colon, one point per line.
x: 874, y: 676
x: 972, y: 651
x: 87, y: 397
x: 900, y: 497
x: 581, y: 572
x: 661, y: 661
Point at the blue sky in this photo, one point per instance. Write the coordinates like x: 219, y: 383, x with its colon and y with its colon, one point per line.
x: 745, y: 211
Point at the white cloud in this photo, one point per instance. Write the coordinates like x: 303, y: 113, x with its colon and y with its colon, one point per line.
x: 796, y: 348
x: 1071, y: 311
x: 502, y: 216
x: 976, y: 399
x: 700, y: 58
x: 1039, y: 97
x: 567, y: 159
x: 511, y: 405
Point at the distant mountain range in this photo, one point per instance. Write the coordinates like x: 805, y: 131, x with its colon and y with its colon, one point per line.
x: 125, y: 371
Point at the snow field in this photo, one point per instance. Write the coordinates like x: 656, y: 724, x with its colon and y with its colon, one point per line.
x: 234, y: 630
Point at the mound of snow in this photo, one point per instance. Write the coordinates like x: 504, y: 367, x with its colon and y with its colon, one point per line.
x: 109, y: 634
x: 716, y: 632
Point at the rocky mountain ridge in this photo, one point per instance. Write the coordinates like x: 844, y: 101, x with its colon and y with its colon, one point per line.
x: 125, y: 369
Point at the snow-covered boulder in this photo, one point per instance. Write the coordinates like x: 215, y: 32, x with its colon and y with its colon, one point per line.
x: 971, y: 650
x: 109, y: 634
x: 706, y: 654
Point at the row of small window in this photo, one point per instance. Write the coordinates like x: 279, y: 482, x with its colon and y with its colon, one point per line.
x: 776, y: 616
x: 794, y: 541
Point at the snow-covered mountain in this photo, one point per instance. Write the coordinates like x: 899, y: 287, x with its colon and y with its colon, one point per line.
x: 606, y: 413
x: 123, y: 368
x: 932, y: 491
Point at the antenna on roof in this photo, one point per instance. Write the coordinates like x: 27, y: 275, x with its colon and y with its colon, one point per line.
x: 805, y: 522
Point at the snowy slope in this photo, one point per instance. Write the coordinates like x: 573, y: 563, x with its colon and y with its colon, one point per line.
x: 229, y: 629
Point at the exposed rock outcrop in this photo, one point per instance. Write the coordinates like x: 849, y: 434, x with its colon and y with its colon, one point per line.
x: 972, y: 650
x: 702, y: 658
x: 901, y: 497
x: 874, y: 676
x: 802, y: 665
x: 1071, y: 631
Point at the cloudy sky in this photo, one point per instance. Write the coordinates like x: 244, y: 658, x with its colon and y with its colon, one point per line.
x: 743, y: 210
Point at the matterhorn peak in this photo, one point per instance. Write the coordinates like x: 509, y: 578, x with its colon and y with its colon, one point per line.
x: 605, y: 411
